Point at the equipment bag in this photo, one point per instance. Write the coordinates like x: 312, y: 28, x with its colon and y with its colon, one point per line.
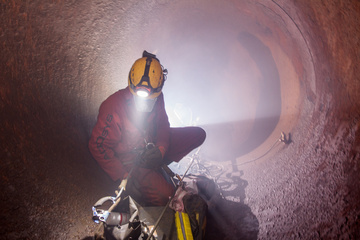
x: 196, y: 208
x: 130, y: 229
x: 183, y: 226
x: 189, y: 198
x: 123, y: 222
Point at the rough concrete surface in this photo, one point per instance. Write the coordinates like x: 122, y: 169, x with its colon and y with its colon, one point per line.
x: 248, y: 70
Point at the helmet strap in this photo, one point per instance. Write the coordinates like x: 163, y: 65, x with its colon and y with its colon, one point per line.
x: 145, y: 77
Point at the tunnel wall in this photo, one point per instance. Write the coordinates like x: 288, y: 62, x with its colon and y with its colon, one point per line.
x: 47, y: 174
x: 57, y: 66
x: 314, y: 177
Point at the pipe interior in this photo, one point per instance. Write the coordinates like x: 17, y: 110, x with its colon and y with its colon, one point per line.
x: 249, y: 72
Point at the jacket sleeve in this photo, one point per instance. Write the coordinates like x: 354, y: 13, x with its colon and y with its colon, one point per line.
x: 105, y: 136
x: 163, y: 126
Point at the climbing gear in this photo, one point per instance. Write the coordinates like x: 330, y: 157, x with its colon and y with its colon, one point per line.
x: 109, y: 218
x: 124, y: 223
x: 171, y: 198
x: 190, y: 198
x: 281, y: 139
x: 129, y: 227
x: 147, y: 77
x: 194, y: 158
x: 169, y: 172
x: 102, y: 216
x: 121, y: 221
x: 196, y: 208
x: 151, y: 158
x: 183, y: 227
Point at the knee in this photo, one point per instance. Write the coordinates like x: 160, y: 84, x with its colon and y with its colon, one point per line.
x: 163, y: 196
x: 200, y: 132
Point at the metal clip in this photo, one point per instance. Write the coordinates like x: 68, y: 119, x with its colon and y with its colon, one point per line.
x: 100, y: 214
x: 149, y: 145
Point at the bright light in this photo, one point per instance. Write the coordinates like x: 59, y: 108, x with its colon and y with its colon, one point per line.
x: 142, y: 93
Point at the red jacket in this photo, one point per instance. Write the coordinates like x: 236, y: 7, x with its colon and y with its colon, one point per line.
x: 120, y: 130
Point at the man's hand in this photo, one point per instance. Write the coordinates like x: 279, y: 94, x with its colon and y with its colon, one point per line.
x: 151, y: 158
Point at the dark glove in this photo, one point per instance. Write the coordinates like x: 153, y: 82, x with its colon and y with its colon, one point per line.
x: 151, y: 158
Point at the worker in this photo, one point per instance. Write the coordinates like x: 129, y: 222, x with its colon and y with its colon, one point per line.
x: 133, y: 131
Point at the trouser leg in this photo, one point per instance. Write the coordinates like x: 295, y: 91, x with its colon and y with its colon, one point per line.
x: 183, y: 141
x: 155, y: 190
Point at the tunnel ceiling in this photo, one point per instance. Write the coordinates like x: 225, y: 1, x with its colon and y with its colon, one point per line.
x: 245, y: 70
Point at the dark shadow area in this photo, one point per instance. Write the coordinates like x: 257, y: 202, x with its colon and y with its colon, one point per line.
x: 232, y: 221
x: 228, y: 216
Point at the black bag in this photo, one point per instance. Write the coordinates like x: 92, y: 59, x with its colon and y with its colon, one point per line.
x: 196, y: 208
x: 195, y: 203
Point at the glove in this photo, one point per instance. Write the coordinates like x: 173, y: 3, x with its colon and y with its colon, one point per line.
x: 151, y: 158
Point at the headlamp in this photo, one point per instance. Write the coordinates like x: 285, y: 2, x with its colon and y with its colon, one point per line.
x: 142, y: 92
x: 144, y: 88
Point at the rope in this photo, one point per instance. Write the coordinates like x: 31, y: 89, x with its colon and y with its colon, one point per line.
x: 253, y: 160
x: 282, y: 139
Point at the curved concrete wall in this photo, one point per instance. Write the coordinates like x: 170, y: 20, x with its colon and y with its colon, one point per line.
x: 246, y: 70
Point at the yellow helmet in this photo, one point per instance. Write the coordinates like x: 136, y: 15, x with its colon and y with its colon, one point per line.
x: 147, y: 77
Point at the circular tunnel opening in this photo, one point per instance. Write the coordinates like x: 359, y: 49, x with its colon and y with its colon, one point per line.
x: 234, y: 68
